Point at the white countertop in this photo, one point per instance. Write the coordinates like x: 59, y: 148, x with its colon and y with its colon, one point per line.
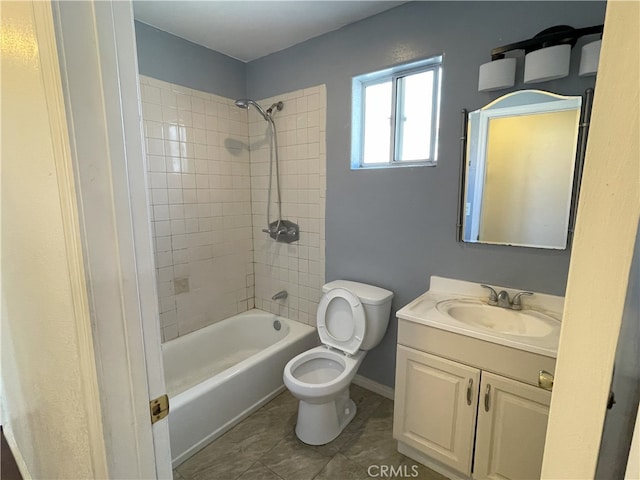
x: 423, y: 311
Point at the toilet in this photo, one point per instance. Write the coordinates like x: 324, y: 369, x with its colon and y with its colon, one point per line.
x: 352, y: 318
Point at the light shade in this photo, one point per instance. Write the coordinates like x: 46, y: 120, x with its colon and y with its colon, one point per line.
x: 590, y: 58
x: 497, y: 74
x: 547, y: 64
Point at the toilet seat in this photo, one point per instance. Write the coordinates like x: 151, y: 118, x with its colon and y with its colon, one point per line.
x: 343, y: 328
x: 317, y: 391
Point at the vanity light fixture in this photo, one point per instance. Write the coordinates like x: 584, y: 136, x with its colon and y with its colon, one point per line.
x: 590, y: 58
x: 547, y: 57
x: 497, y: 74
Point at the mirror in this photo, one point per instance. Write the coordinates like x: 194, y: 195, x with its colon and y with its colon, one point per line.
x: 517, y: 187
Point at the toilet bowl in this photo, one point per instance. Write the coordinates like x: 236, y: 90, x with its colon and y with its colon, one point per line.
x: 351, y: 318
x: 320, y: 379
x: 320, y: 373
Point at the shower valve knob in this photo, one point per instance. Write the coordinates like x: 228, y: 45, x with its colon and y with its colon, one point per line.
x: 283, y: 231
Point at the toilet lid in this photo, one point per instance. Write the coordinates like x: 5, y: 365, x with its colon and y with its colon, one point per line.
x: 341, y: 320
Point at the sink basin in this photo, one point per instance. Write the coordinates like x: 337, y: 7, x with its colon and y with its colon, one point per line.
x: 461, y: 308
x: 520, y: 323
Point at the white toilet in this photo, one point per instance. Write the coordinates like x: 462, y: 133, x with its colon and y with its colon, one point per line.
x: 352, y: 318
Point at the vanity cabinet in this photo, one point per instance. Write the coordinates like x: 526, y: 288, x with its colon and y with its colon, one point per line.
x: 512, y: 424
x: 469, y: 405
x: 436, y: 405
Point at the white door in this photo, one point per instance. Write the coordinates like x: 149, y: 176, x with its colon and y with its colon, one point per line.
x: 512, y: 423
x: 98, y: 63
x: 436, y: 404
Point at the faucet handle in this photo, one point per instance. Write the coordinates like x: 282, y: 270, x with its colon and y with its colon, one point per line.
x: 516, y: 304
x: 493, y: 295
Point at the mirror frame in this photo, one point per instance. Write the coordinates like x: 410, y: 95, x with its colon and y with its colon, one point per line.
x: 583, y: 131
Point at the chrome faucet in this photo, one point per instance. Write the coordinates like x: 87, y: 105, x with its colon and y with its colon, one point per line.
x: 502, y: 299
x: 281, y: 295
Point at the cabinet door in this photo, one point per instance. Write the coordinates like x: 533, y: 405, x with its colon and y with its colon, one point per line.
x: 512, y: 424
x: 436, y: 405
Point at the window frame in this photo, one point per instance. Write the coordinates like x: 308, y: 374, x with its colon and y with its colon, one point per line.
x: 394, y: 74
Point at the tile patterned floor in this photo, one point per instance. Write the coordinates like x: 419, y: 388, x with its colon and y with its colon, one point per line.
x: 264, y: 447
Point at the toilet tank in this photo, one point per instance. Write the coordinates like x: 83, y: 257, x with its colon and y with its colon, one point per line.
x: 377, y: 308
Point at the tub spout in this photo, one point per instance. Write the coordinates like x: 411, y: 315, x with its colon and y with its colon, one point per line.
x: 281, y: 295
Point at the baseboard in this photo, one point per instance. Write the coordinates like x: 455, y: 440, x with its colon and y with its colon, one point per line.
x: 375, y: 387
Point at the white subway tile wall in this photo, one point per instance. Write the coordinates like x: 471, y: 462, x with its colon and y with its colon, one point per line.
x: 298, y: 267
x: 200, y: 194
x: 212, y: 259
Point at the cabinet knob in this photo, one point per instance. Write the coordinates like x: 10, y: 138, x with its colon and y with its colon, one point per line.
x: 545, y: 380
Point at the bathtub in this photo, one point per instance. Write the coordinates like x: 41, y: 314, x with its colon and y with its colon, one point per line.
x: 218, y: 375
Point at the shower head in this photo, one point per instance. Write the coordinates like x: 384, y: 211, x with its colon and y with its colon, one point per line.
x: 278, y: 106
x: 245, y: 102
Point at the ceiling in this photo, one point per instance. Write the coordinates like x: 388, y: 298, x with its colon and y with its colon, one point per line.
x: 247, y: 30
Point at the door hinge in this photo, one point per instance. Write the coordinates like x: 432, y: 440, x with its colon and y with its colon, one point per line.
x: 159, y: 408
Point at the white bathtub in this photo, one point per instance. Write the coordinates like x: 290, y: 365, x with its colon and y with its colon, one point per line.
x: 218, y: 375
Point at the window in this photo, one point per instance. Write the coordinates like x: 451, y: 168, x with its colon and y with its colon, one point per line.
x: 395, y: 115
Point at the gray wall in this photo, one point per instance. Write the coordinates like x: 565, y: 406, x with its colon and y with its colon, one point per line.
x: 173, y: 59
x: 395, y: 228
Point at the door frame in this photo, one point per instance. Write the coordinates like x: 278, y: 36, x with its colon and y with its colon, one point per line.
x: 97, y: 53
x: 99, y: 70
x: 603, y: 246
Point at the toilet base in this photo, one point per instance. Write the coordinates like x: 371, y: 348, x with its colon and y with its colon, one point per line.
x: 319, y: 424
